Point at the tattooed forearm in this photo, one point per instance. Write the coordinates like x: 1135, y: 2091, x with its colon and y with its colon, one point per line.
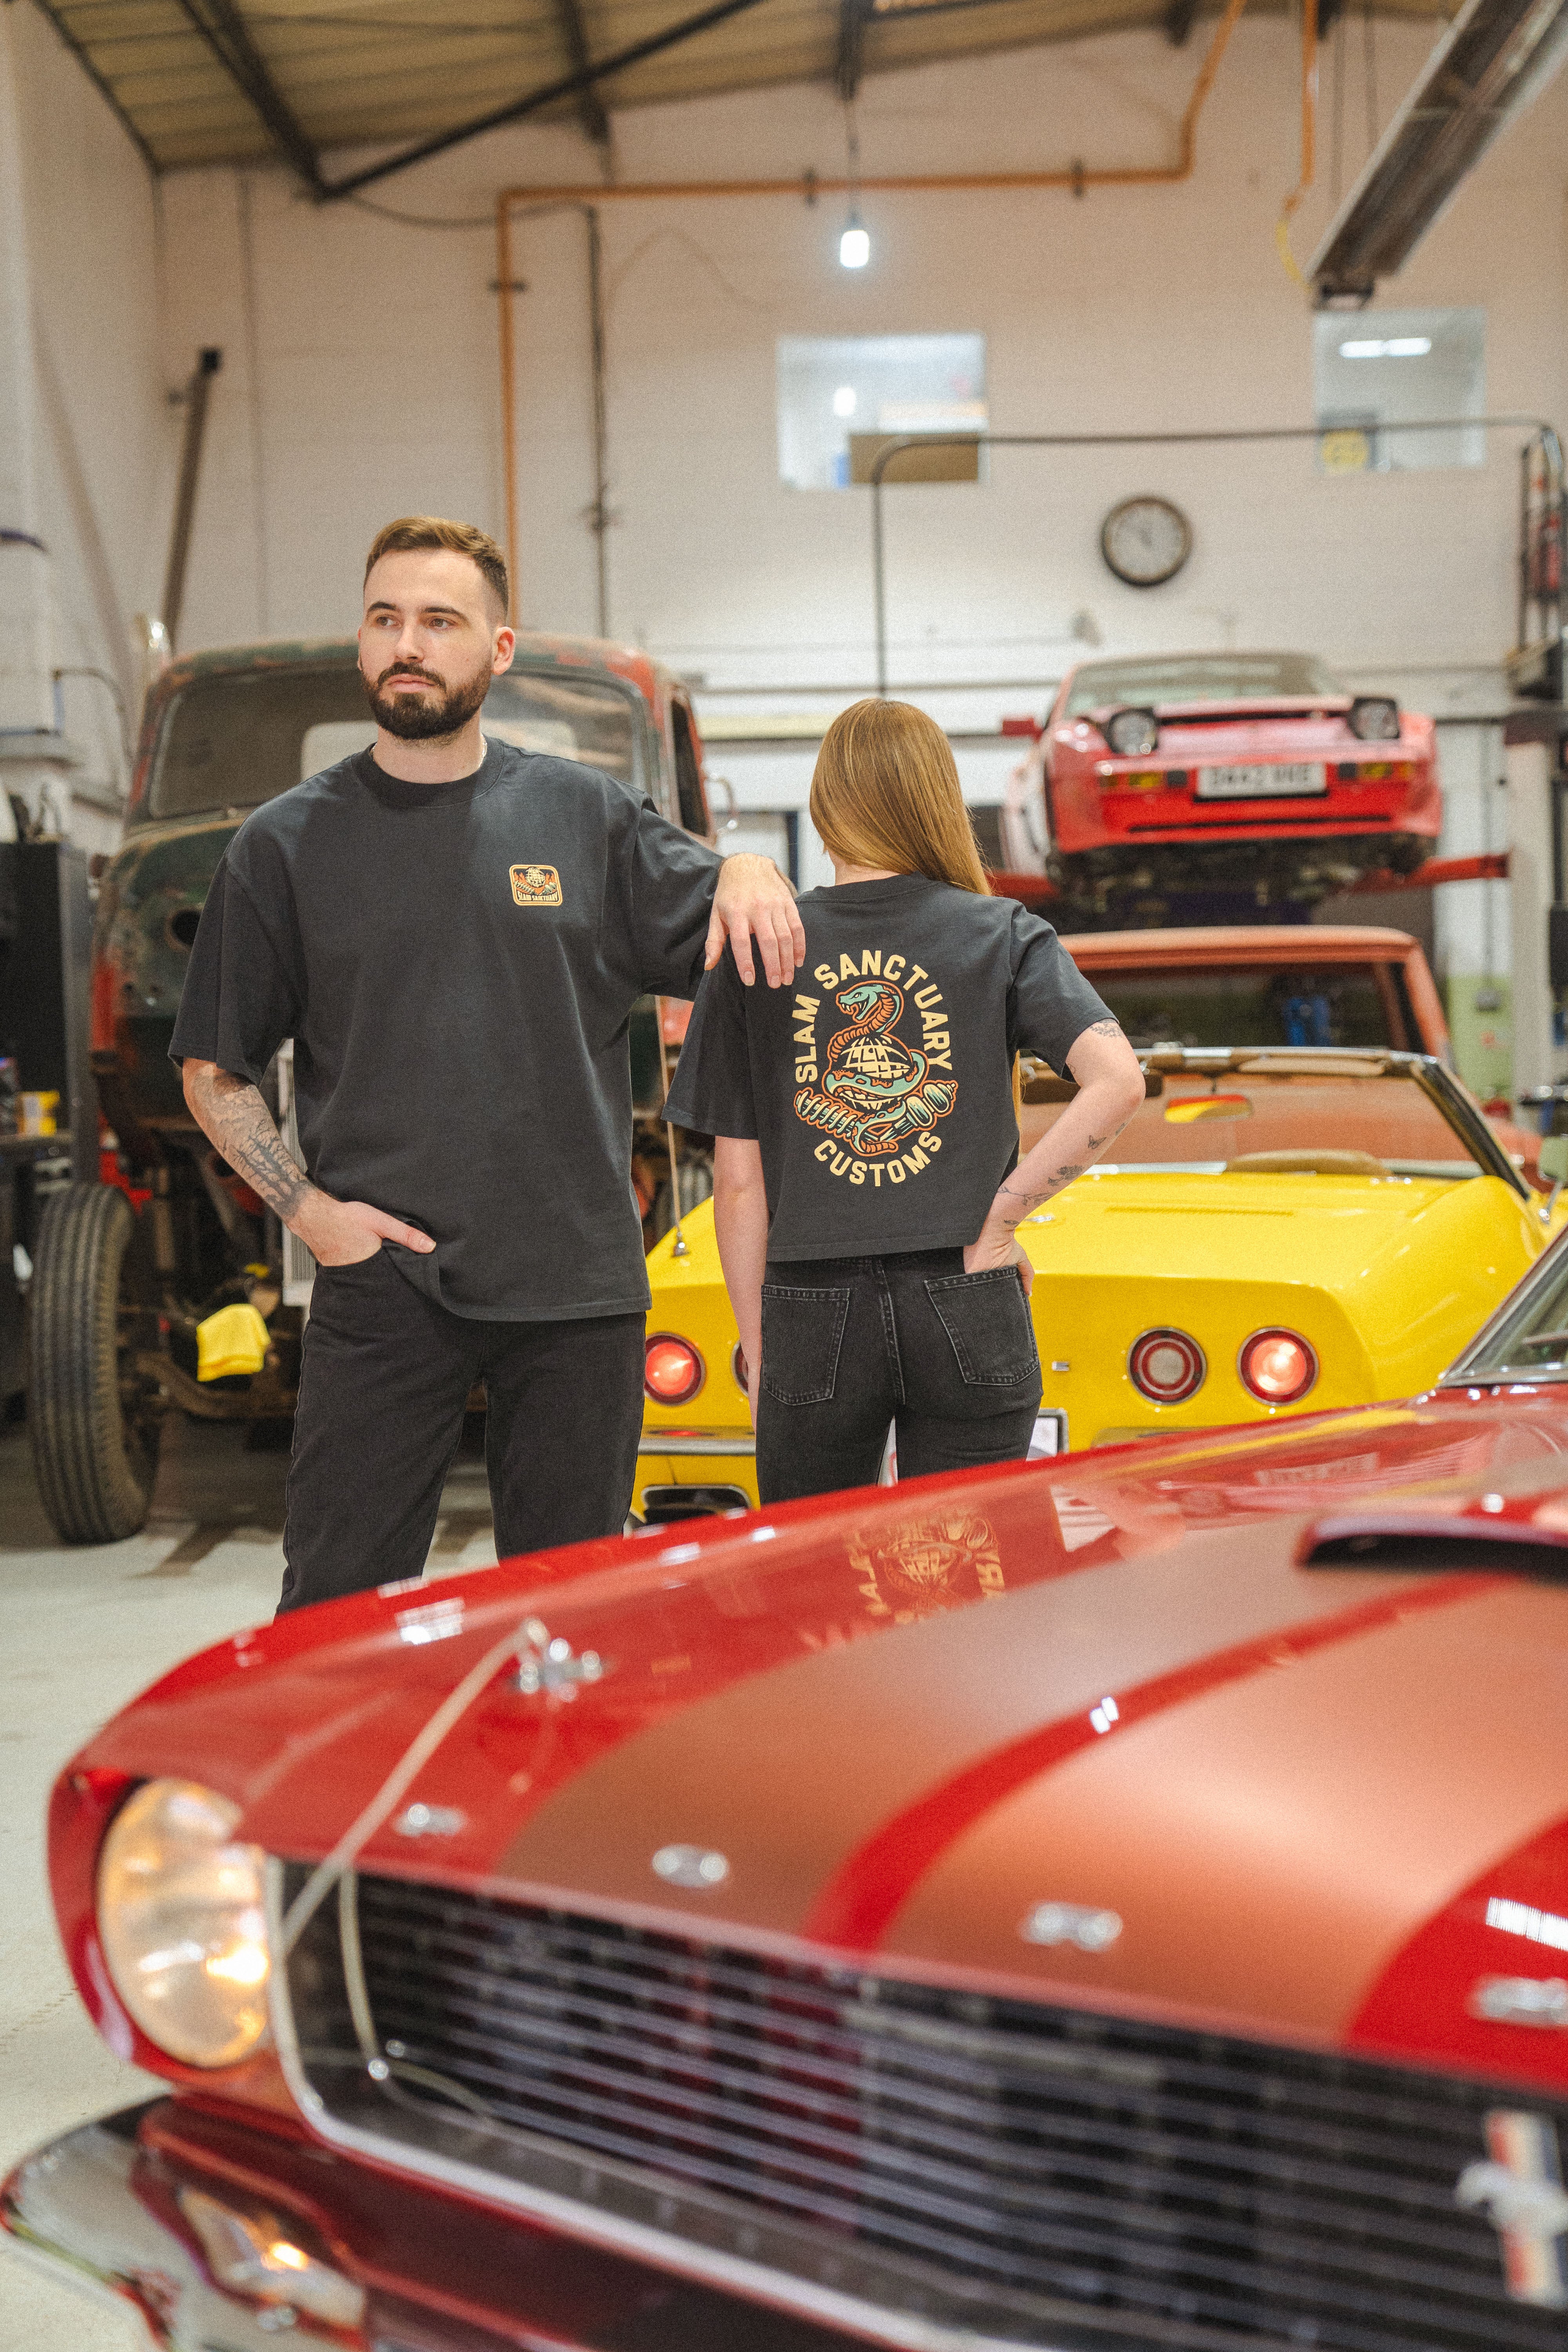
x: 232, y: 1114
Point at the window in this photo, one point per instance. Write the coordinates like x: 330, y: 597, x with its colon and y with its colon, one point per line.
x: 1376, y: 370
x: 688, y: 775
x: 1297, y: 1004
x: 1197, y: 678
x: 840, y: 397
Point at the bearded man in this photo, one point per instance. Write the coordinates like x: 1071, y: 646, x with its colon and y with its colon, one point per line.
x: 462, y: 1079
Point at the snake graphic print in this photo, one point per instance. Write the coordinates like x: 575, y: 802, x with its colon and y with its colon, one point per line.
x: 874, y: 1092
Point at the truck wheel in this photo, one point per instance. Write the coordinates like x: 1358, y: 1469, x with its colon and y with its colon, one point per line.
x: 94, y: 1422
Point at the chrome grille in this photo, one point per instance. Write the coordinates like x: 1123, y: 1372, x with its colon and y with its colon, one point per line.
x: 1041, y: 2176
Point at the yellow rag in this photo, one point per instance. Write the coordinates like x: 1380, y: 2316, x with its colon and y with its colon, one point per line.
x: 232, y: 1340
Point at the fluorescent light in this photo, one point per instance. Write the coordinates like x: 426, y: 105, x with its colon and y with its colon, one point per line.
x: 1396, y: 347
x: 853, y: 247
x: 843, y: 398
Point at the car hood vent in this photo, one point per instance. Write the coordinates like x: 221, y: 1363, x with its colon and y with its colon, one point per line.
x: 1431, y: 1543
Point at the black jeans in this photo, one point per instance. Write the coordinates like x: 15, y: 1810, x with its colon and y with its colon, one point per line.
x: 850, y: 1344
x: 385, y: 1376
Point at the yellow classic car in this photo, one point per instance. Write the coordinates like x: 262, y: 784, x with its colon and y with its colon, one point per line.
x: 1284, y: 1230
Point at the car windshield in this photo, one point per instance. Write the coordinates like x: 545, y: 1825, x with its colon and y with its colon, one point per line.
x: 1353, y: 1118
x: 1292, y: 1005
x: 1528, y: 1339
x: 235, y: 738
x: 1199, y: 677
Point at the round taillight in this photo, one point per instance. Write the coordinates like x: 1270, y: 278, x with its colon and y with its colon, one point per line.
x: 672, y: 1371
x: 738, y: 1366
x: 1276, y: 1367
x: 1166, y: 1367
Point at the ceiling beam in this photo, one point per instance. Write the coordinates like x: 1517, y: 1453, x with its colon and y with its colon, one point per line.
x: 567, y: 85
x: 84, y: 59
x: 1489, y: 63
x: 590, y: 105
x: 223, y: 30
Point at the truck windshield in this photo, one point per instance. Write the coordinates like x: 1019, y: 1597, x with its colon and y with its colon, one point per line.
x: 1295, y: 1004
x: 237, y: 738
x: 1199, y: 677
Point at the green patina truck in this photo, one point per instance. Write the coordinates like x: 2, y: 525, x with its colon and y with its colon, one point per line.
x: 127, y: 1268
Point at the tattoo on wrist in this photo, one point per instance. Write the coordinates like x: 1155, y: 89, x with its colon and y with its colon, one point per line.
x: 242, y: 1128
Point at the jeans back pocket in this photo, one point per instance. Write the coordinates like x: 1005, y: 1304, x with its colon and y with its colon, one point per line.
x: 986, y: 1317
x: 803, y: 1331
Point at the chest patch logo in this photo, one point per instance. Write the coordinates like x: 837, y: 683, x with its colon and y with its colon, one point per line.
x: 875, y: 1092
x: 536, y: 886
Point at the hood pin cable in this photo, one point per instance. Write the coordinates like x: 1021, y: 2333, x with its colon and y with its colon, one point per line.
x: 517, y: 1642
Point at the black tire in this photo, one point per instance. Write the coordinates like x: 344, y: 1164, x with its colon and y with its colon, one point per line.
x: 696, y: 1186
x: 94, y: 1426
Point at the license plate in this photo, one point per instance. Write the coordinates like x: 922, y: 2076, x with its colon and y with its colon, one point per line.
x: 1050, y: 1436
x: 1253, y: 780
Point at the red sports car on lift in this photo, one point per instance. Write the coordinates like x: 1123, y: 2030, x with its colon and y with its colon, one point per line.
x: 1116, y: 1905
x: 1242, y: 774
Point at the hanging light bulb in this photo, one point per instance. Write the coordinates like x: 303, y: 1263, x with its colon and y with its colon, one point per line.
x: 855, y: 245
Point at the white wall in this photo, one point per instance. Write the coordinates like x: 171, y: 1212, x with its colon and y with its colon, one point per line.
x: 84, y: 225
x: 361, y: 380
x: 377, y: 386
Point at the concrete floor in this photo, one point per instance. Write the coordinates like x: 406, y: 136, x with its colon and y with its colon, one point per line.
x: 80, y: 1632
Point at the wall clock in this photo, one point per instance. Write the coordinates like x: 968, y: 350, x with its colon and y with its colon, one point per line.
x: 1146, y: 541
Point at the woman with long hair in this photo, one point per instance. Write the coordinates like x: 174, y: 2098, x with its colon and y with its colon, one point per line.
x: 867, y: 1189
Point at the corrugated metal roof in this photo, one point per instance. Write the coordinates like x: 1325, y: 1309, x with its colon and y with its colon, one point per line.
x: 228, y: 82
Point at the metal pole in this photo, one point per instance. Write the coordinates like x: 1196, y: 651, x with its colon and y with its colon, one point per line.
x: 884, y: 458
x: 197, y: 396
x: 879, y: 569
x: 601, y: 519
x: 679, y: 1249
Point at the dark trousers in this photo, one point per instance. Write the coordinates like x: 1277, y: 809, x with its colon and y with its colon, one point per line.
x: 385, y: 1376
x: 850, y: 1344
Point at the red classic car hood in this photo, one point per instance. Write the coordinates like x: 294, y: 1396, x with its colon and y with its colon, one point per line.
x: 1317, y: 1802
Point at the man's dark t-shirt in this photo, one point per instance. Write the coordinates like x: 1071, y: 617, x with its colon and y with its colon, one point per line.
x: 457, y: 964
x: 880, y: 1090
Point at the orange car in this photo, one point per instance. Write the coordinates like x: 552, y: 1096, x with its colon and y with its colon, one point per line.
x: 1279, y: 985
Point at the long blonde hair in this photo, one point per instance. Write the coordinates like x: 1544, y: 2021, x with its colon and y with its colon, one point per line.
x: 885, y: 794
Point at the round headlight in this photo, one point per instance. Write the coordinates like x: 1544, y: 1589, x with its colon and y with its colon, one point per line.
x: 1278, y: 1367
x: 673, y: 1371
x: 180, y: 1918
x: 1133, y: 733
x: 1167, y: 1367
x: 1375, y: 718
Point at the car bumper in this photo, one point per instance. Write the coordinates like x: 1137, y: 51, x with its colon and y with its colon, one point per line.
x: 395, y: 2267
x: 711, y: 1459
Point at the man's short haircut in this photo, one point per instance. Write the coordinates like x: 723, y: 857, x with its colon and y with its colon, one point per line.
x: 410, y: 532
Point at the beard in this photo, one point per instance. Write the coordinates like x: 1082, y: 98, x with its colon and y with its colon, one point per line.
x: 442, y: 712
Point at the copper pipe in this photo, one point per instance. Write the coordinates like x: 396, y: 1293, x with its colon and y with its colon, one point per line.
x: 1309, y: 134
x: 1075, y: 179
x: 507, y: 391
